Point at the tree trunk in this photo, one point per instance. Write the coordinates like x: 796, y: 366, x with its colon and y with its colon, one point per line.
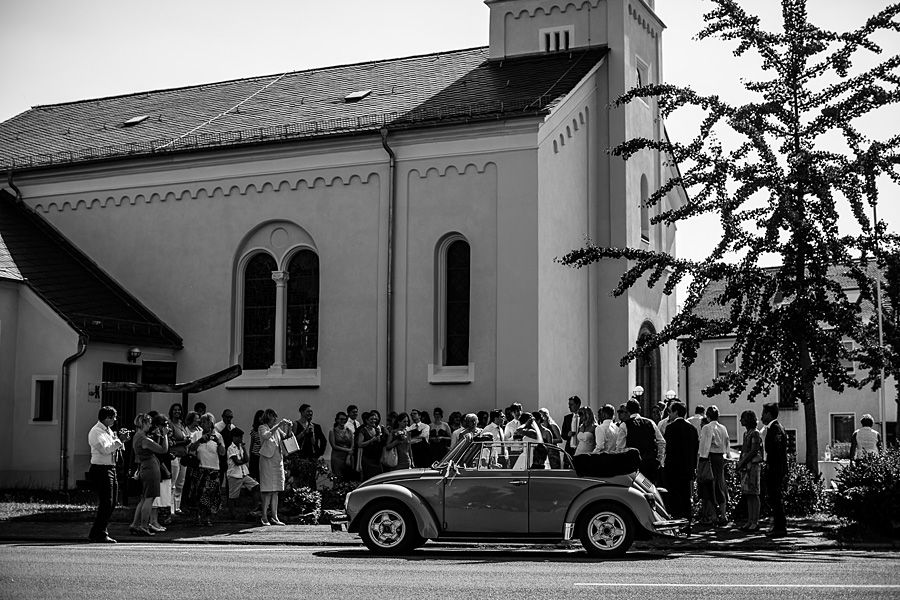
x: 812, y: 435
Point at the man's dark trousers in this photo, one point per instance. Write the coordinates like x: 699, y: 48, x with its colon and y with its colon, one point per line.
x: 103, y: 478
x: 775, y: 494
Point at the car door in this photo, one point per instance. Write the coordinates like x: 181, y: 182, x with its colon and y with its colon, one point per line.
x: 487, y: 495
x: 552, y: 485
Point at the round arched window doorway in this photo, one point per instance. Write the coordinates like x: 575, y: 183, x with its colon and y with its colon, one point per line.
x: 647, y: 372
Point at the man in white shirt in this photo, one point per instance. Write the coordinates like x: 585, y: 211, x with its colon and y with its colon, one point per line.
x: 105, y: 447
x: 642, y: 433
x: 697, y: 419
x: 238, y: 471
x: 353, y: 422
x: 606, y: 433
x: 497, y: 454
x: 470, y: 428
x: 515, y: 410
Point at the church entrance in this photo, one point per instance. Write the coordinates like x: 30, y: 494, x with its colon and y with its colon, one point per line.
x: 648, y: 373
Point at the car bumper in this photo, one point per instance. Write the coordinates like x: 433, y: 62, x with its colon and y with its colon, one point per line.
x: 340, y: 522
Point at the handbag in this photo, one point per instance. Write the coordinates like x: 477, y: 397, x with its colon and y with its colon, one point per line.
x: 704, y: 471
x: 290, y: 445
x: 190, y: 461
x: 389, y: 457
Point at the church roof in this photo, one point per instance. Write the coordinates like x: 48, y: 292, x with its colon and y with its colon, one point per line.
x: 417, y: 91
x: 34, y: 253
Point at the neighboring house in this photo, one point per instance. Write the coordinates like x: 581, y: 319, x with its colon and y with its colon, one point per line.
x: 65, y: 326
x: 379, y: 234
x: 837, y: 414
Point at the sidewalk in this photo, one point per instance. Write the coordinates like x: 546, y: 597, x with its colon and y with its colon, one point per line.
x: 802, y: 535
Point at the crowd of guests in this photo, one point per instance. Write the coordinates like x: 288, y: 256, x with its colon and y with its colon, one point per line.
x: 190, y: 463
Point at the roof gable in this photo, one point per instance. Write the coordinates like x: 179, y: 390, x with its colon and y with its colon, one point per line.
x: 428, y: 90
x: 33, y: 252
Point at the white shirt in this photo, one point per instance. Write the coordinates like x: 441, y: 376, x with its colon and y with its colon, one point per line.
x: 510, y: 429
x: 494, y: 430
x: 605, y: 435
x: 423, y: 432
x: 713, y: 438
x: 104, y: 445
x: 697, y: 422
x: 622, y: 437
x: 208, y: 452
x: 234, y: 470
x: 354, y: 425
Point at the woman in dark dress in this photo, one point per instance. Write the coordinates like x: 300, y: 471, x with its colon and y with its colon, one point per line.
x: 146, y: 449
x: 370, y: 437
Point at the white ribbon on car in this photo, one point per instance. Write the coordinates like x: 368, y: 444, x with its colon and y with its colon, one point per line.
x: 450, y: 471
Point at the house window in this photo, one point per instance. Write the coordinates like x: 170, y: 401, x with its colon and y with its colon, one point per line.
x: 43, y: 400
x: 723, y: 367
x: 731, y: 424
x: 303, y: 310
x: 787, y: 399
x: 848, y: 364
x: 842, y: 427
x: 458, y: 266
x: 259, y: 313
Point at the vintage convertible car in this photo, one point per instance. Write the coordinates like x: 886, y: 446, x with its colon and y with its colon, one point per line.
x: 516, y: 491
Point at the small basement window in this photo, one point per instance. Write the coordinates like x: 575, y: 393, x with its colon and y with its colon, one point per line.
x: 357, y: 96
x: 135, y: 120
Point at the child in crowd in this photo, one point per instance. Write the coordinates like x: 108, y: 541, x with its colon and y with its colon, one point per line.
x: 239, y: 471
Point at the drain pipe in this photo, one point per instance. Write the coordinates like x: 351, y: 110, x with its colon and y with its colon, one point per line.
x: 64, y: 415
x: 9, y: 180
x: 390, y: 271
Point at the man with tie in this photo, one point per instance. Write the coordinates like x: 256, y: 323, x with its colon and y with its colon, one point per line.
x: 569, y: 433
x: 105, y: 447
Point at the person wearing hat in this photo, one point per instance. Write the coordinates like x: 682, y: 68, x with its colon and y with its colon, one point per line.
x: 865, y: 440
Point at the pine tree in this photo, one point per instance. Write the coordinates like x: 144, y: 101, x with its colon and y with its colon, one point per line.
x: 778, y: 192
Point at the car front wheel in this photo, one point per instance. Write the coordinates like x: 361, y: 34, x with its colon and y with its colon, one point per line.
x: 606, y: 530
x: 389, y: 528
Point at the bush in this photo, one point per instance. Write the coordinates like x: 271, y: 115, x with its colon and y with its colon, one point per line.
x: 303, y: 505
x: 333, y: 497
x: 803, y: 493
x: 868, y: 492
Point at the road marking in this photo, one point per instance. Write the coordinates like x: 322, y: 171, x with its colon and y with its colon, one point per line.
x: 842, y: 586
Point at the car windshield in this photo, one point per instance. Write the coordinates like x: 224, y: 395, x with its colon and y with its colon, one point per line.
x: 508, y: 455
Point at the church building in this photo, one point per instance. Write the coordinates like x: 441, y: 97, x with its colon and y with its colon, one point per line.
x: 380, y: 234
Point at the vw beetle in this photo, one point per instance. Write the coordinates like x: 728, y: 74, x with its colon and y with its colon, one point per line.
x: 509, y: 492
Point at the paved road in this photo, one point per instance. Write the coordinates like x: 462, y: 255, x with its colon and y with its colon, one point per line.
x: 153, y: 571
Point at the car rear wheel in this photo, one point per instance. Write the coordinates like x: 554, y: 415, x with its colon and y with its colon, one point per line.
x: 606, y: 530
x: 389, y: 528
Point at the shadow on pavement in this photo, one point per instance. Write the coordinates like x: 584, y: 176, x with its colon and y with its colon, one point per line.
x: 470, y: 556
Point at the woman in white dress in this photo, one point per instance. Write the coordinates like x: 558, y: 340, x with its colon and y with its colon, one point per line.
x: 271, y: 463
x: 585, y: 435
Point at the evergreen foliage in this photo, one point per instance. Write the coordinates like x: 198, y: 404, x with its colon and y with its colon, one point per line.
x: 801, y: 156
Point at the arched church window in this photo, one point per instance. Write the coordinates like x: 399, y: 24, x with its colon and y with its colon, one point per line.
x: 303, y: 310
x: 458, y: 266
x: 645, y: 212
x: 259, y: 312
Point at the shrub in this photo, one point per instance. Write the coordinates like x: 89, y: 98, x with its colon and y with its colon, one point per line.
x: 868, y: 491
x: 333, y: 497
x: 303, y: 505
x: 802, y: 491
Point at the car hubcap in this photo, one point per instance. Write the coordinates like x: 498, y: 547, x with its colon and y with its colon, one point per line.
x: 607, y: 530
x: 386, y: 528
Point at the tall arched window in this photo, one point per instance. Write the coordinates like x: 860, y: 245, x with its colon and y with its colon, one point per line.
x: 303, y: 310
x: 259, y: 313
x: 648, y: 372
x: 458, y: 264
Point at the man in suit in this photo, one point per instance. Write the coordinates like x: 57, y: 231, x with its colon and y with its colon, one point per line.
x: 312, y: 443
x: 682, y: 445
x: 568, y: 433
x: 642, y: 433
x: 776, y: 468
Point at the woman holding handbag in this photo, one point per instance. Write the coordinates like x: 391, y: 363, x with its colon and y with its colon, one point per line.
x: 271, y: 463
x: 398, y: 441
x: 749, y: 468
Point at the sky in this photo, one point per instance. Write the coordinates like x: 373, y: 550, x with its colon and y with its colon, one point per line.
x: 54, y: 51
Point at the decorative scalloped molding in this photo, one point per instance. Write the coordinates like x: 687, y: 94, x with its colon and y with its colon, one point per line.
x: 446, y: 169
x: 642, y: 21
x: 209, y: 190
x: 562, y: 7
x: 571, y: 129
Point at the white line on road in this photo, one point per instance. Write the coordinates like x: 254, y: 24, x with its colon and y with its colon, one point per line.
x: 842, y: 586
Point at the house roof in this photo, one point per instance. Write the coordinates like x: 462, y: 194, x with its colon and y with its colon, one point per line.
x: 709, y: 307
x: 428, y: 90
x: 34, y: 253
